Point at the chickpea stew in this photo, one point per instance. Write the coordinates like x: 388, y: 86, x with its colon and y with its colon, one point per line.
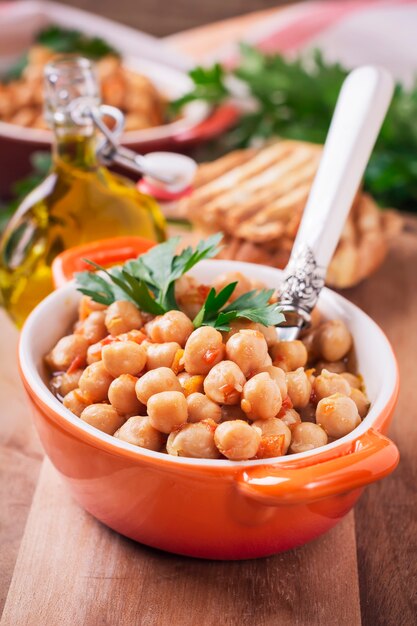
x: 159, y: 382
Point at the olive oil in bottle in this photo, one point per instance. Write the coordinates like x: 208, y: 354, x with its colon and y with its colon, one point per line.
x: 79, y: 201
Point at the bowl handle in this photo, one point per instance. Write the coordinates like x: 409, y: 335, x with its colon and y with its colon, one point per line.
x: 371, y: 457
x: 105, y: 252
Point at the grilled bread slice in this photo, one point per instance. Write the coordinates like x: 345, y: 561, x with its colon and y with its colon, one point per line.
x: 257, y: 197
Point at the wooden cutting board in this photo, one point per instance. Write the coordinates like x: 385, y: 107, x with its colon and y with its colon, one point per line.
x: 70, y: 569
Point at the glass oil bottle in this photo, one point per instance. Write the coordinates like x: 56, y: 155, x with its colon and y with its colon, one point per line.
x: 79, y: 201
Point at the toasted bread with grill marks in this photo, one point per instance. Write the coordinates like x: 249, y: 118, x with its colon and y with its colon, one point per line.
x: 257, y: 197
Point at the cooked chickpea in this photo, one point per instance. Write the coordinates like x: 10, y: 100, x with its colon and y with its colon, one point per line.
x: 183, y: 377
x: 290, y: 418
x: 167, y: 410
x: 203, y: 350
x: 93, y: 328
x: 237, y: 440
x: 334, y: 340
x: 248, y: 349
x: 66, y: 351
x: 138, y: 336
x: 156, y: 381
x: 261, y: 398
x: 102, y: 416
x: 190, y: 295
x: 122, y: 316
x: 337, y: 367
x: 337, y: 414
x: 124, y: 357
x: 361, y: 401
x: 75, y: 402
x: 316, y: 318
x: 139, y: 431
x: 122, y: 396
x: 269, y: 332
x: 307, y: 436
x: 243, y: 284
x: 95, y: 382
x: 172, y: 326
x: 224, y: 383
x: 289, y: 355
x: 236, y: 326
x: 329, y: 383
x: 233, y: 412
x: 278, y: 375
x: 354, y: 381
x: 310, y: 375
x: 87, y: 306
x: 310, y: 343
x: 161, y: 354
x: 64, y: 383
x: 94, y: 353
x: 194, y: 440
x: 274, y: 427
x: 299, y: 388
x: 202, y: 408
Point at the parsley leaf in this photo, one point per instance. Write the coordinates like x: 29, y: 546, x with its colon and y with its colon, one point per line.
x: 209, y: 86
x: 253, y: 306
x: 95, y: 286
x: 214, y: 302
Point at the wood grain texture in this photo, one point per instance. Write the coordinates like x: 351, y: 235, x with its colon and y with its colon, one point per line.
x: 386, y: 516
x: 72, y: 570
x: 20, y: 456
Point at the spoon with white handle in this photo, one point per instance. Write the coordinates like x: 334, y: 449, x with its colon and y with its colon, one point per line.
x: 360, y: 110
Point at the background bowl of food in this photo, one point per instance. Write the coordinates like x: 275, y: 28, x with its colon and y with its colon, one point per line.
x: 135, y: 72
x: 239, y: 490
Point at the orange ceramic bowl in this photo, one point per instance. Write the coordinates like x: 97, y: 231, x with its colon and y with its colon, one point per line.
x: 206, y: 508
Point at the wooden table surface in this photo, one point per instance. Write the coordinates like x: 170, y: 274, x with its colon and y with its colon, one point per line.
x: 58, y: 566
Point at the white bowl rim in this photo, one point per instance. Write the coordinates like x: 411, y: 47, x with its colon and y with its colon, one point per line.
x: 34, y: 379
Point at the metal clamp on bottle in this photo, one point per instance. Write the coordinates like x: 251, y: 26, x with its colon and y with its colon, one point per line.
x: 163, y: 172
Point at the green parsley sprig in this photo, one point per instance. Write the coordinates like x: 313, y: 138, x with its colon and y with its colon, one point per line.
x: 149, y: 282
x: 254, y: 305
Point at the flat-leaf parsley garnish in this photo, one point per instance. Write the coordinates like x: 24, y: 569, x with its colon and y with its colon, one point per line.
x: 149, y: 282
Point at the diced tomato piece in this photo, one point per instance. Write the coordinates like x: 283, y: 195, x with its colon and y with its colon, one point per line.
x: 286, y: 404
x: 271, y: 445
x: 178, y: 362
x: 203, y: 291
x: 76, y: 364
x: 109, y: 339
x: 136, y: 335
x: 194, y: 384
x: 211, y: 355
x: 227, y: 390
